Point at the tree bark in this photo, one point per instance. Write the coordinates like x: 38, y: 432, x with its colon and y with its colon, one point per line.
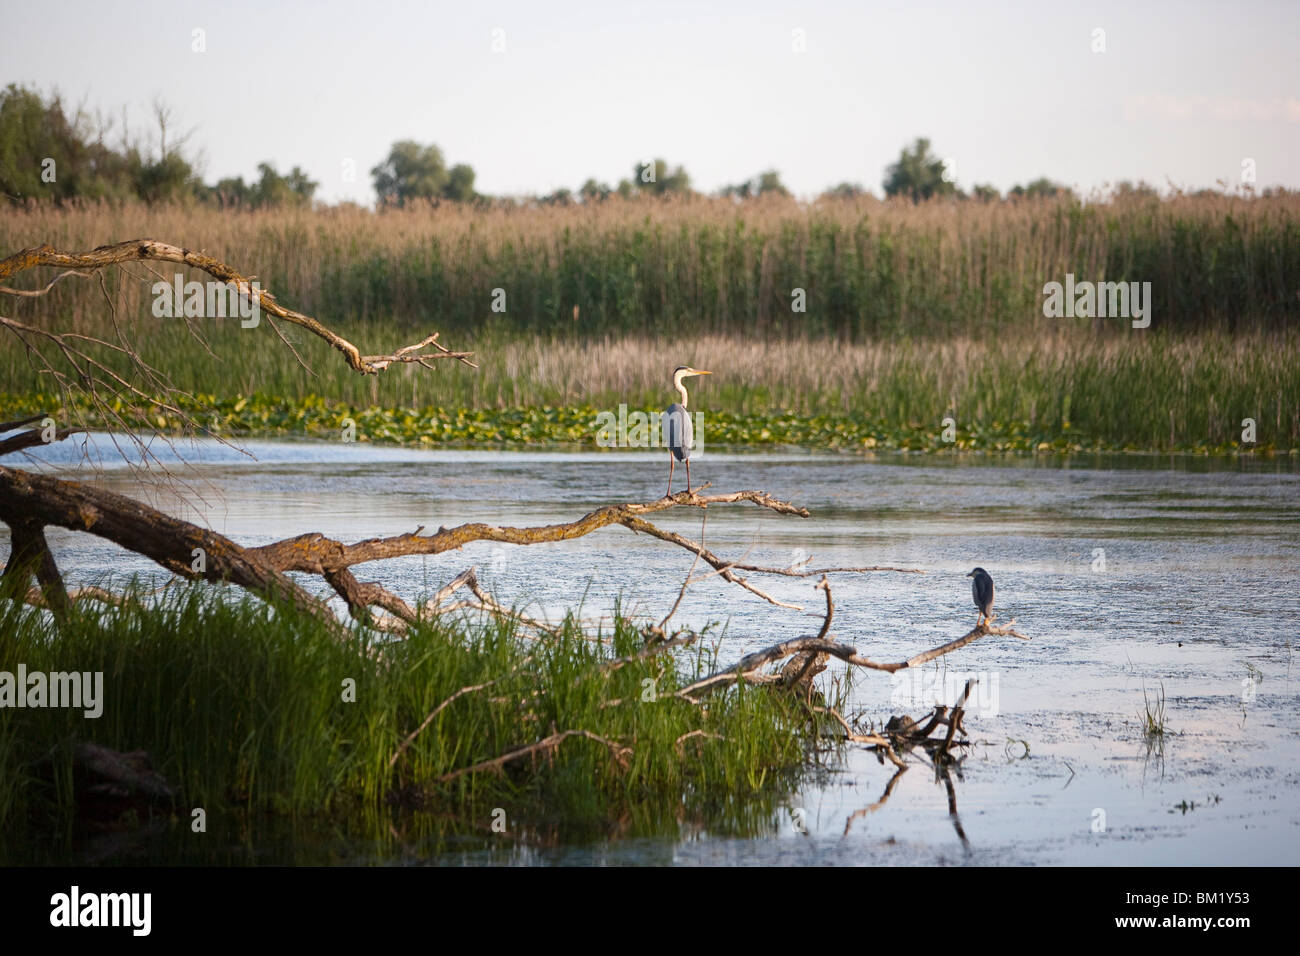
x: 29, y: 554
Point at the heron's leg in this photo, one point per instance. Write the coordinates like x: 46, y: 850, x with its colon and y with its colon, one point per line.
x: 672, y: 462
x: 688, y: 476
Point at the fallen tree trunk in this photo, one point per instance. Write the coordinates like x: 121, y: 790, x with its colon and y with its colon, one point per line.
x: 30, y: 502
x: 34, y: 501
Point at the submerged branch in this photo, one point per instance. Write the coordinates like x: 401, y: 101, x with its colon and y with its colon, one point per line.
x: 744, y: 669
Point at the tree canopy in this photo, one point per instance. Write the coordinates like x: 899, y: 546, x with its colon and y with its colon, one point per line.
x: 1040, y: 188
x: 51, y: 152
x: 917, y: 174
x: 655, y: 179
x: 271, y: 189
x: 413, y: 172
x: 765, y: 183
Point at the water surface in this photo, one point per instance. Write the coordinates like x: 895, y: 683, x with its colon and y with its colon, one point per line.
x: 1132, y: 576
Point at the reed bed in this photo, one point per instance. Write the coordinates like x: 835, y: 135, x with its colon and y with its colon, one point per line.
x: 868, y: 268
x: 914, y: 313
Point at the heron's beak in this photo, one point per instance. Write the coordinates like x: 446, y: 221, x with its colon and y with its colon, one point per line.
x: 971, y: 575
x: 698, y: 372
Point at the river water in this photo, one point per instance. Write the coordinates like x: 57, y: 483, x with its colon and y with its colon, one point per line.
x: 1132, y: 577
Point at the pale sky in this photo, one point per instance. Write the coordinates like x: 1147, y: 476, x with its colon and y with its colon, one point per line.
x: 1183, y: 92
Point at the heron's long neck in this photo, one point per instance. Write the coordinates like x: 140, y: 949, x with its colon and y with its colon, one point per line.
x: 677, y: 381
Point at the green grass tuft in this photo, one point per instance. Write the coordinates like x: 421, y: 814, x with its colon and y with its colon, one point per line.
x: 240, y: 705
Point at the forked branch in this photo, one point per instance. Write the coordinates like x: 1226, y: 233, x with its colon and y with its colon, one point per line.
x: 137, y: 250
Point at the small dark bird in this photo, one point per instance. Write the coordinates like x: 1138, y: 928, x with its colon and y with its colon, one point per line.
x: 981, y: 590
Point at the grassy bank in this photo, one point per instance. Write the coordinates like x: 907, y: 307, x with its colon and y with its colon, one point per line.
x: 867, y: 268
x: 1143, y: 392
x: 242, y: 708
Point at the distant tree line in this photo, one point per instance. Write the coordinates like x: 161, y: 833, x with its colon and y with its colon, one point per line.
x: 49, y: 151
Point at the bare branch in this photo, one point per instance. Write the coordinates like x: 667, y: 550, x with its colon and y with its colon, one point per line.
x: 825, y: 585
x: 33, y: 293
x: 744, y: 668
x: 410, y: 738
x: 135, y: 250
x: 42, y: 500
x: 29, y: 554
x: 36, y: 598
x: 618, y: 751
x: 19, y: 423
x: 33, y: 438
x: 697, y: 733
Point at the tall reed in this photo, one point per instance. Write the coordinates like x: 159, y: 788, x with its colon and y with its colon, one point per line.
x: 867, y: 268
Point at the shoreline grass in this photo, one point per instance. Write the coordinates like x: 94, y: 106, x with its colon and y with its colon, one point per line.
x: 242, y: 706
x: 1064, y: 394
x: 315, y: 418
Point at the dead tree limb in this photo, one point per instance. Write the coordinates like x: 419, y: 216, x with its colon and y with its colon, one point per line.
x: 80, y: 364
x: 45, y: 500
x: 19, y: 423
x: 695, y: 734
x: 410, y: 738
x: 27, y: 499
x: 31, y: 439
x: 316, y: 554
x: 29, y: 554
x: 36, y: 597
x: 37, y: 293
x: 744, y: 668
x: 137, y: 250
x: 658, y: 632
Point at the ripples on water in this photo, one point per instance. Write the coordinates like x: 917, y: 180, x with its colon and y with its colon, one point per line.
x: 1201, y: 580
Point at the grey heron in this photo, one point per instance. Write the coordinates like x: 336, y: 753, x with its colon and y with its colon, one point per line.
x: 981, y: 590
x: 677, y: 431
